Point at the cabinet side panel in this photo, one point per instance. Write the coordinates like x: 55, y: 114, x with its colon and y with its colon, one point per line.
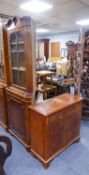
x: 37, y: 133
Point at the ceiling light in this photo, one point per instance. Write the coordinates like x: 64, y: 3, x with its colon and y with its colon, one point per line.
x: 41, y: 30
x: 36, y: 6
x: 83, y: 22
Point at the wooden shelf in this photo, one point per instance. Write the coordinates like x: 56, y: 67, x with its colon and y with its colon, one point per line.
x: 19, y: 68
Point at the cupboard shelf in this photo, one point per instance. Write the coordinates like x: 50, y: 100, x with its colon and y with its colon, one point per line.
x: 19, y: 69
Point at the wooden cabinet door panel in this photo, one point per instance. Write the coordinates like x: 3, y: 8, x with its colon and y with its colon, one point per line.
x: 72, y: 125
x: 16, y: 116
x: 56, y: 133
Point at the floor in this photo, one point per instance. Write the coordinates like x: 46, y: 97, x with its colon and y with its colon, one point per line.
x: 73, y: 161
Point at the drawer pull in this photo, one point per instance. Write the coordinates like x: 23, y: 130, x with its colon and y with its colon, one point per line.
x: 59, y: 116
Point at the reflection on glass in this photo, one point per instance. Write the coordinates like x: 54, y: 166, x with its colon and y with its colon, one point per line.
x: 13, y: 47
x: 2, y: 72
x: 1, y: 56
x: 13, y: 38
x: 19, y: 37
x: 21, y: 59
x: 14, y: 59
x: 21, y: 78
x: 20, y: 46
x: 15, y: 76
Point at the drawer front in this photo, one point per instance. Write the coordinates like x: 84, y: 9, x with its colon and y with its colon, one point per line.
x: 16, y: 114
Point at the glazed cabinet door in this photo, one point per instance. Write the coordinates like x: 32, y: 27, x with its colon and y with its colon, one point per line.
x: 16, y: 114
x: 56, y: 132
x: 17, y: 58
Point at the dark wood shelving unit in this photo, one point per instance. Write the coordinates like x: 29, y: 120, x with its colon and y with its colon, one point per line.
x: 85, y: 74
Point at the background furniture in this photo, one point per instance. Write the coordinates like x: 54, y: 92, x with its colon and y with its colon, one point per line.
x: 21, y: 91
x: 85, y: 73
x: 55, y: 124
x: 62, y: 83
x: 74, y: 54
x: 55, y: 49
x: 42, y: 49
x: 71, y: 49
x: 4, y: 70
x: 4, y: 153
x: 44, y: 88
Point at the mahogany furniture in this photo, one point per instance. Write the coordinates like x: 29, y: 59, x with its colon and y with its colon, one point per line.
x: 44, y: 88
x: 85, y: 73
x: 55, y: 124
x: 21, y: 92
x: 71, y: 49
x: 61, y: 84
x: 4, y: 70
x: 74, y: 54
x: 42, y: 49
x: 4, y: 154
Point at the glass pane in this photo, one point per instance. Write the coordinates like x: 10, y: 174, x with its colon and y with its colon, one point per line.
x: 1, y: 55
x: 15, y: 76
x: 21, y: 59
x: 20, y: 46
x: 22, y: 78
x: 13, y: 38
x: 17, y: 59
x: 2, y: 72
x: 13, y: 47
x: 19, y: 37
x: 14, y: 59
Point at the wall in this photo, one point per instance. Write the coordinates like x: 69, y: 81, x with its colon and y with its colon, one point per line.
x: 62, y: 38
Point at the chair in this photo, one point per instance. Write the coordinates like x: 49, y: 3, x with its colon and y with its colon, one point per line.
x: 4, y: 154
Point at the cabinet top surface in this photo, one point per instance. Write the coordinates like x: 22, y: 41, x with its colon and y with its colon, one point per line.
x: 55, y: 104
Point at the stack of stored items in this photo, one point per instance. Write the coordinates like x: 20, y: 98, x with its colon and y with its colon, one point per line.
x: 85, y: 76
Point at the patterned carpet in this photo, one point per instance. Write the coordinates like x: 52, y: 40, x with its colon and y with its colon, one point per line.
x: 73, y: 161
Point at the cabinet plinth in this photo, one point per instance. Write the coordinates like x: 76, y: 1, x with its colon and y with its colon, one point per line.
x: 55, y: 124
